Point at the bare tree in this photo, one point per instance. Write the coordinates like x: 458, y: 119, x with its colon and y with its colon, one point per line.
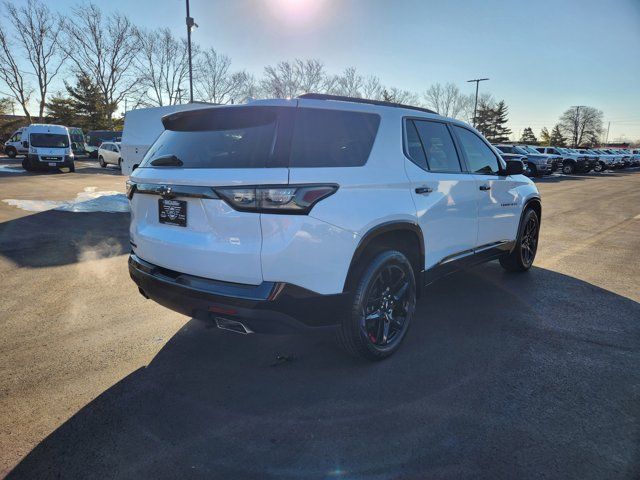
x: 105, y: 47
x: 217, y: 83
x: 163, y: 66
x: 447, y: 100
x: 579, y: 124
x: 372, y: 88
x: 397, y: 95
x: 37, y: 34
x: 350, y: 83
x: 12, y: 75
x: 290, y: 79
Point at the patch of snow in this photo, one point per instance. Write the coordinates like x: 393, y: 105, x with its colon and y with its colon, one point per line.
x: 11, y: 169
x: 91, y: 200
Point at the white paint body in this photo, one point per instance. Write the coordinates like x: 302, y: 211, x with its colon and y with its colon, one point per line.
x: 15, y: 142
x: 314, y: 251
x: 46, y: 152
x: 141, y: 128
x: 109, y: 152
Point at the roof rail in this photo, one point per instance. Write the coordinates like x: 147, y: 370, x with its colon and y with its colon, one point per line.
x: 382, y: 103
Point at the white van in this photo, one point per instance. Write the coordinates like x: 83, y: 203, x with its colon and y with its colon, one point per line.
x: 141, y: 128
x: 13, y: 146
x: 49, y: 147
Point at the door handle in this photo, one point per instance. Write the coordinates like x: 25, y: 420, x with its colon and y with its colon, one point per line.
x: 423, y: 190
x: 484, y: 188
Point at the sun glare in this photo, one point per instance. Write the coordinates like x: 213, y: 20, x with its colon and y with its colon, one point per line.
x: 296, y: 11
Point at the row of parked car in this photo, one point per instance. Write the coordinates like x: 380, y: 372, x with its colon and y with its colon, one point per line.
x: 540, y: 161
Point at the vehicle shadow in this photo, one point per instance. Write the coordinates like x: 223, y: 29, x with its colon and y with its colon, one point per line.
x: 55, y: 237
x: 501, y: 376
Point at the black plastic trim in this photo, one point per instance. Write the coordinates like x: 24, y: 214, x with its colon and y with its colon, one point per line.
x: 382, y: 103
x: 171, y: 191
x: 467, y: 259
x: 270, y: 307
x: 385, y: 228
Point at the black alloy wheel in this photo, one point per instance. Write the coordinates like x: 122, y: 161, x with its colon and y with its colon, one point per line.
x: 382, y: 306
x: 529, y: 241
x: 386, y: 306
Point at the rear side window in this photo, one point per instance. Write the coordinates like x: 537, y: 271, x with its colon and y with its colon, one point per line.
x: 480, y: 157
x: 414, y: 146
x: 438, y: 146
x: 332, y: 138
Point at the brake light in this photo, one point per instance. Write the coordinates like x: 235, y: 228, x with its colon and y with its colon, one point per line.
x: 292, y: 199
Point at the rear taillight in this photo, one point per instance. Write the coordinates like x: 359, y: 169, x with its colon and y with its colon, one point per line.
x: 292, y: 199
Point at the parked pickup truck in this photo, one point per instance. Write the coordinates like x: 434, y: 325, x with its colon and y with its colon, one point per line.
x: 535, y: 164
x: 572, y: 161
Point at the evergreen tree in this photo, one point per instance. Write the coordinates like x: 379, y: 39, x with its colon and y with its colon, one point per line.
x: 83, y: 106
x: 484, y: 118
x: 500, y: 130
x: 6, y: 106
x: 545, y: 137
x: 61, y: 110
x: 491, y: 121
x: 557, y: 139
x: 528, y: 138
x: 91, y: 111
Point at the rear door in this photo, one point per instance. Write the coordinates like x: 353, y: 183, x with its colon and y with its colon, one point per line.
x: 445, y: 196
x: 188, y: 228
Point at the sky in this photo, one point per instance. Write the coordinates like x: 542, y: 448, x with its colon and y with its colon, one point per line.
x: 541, y: 56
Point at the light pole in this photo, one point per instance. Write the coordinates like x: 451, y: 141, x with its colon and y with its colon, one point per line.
x: 191, y: 24
x: 475, y: 108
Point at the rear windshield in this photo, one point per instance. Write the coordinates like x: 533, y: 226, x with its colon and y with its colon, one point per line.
x: 257, y: 137
x: 49, y: 140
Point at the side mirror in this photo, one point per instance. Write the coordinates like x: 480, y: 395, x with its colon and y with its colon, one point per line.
x: 514, y: 167
x: 25, y: 144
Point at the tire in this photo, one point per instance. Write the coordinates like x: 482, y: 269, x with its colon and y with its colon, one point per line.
x: 378, y: 334
x: 102, y: 162
x: 568, y: 168
x: 120, y: 164
x: 11, y: 152
x: 521, y: 258
x: 599, y: 167
x: 26, y: 164
x: 72, y: 168
x: 530, y: 170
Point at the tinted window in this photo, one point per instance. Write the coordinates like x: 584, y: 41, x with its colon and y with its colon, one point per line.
x: 414, y: 146
x: 239, y: 137
x: 332, y: 138
x: 480, y: 157
x: 438, y: 146
x: 505, y: 149
x: 49, y: 140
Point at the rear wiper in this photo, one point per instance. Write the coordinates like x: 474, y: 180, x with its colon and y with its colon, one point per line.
x: 167, y: 161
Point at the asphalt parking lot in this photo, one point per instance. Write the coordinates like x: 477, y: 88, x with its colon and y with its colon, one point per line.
x: 501, y: 376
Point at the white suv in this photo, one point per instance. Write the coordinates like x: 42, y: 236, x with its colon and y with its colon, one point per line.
x: 321, y: 212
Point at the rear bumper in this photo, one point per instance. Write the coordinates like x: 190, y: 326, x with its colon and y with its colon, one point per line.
x: 271, y: 307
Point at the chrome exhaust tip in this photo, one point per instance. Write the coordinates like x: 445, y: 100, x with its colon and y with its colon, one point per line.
x: 232, y: 325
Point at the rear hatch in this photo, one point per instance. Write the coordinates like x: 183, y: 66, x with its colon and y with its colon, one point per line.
x: 177, y: 219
